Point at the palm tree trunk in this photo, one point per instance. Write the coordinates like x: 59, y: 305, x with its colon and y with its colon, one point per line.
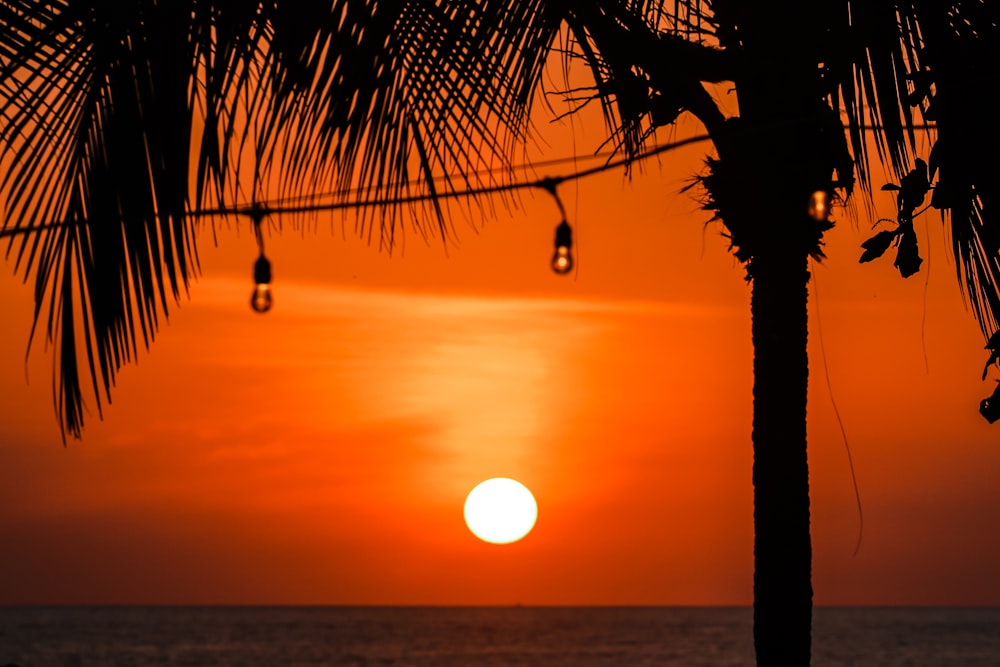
x: 782, y: 546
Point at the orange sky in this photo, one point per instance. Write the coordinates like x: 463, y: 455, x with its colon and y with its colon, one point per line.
x: 322, y: 453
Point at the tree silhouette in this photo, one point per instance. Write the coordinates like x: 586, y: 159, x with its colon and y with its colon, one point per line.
x: 122, y: 117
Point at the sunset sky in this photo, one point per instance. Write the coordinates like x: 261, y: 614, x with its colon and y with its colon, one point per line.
x: 321, y: 453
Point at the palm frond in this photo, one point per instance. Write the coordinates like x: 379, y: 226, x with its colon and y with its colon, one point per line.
x: 120, y: 118
x: 98, y: 106
x: 957, y: 48
x: 900, y: 63
x: 104, y: 103
x: 867, y: 68
x: 389, y: 93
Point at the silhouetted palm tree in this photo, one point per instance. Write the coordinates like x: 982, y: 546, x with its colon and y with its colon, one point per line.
x: 112, y: 109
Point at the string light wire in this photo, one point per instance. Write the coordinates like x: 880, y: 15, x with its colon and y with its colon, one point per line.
x: 283, y: 205
x: 288, y: 205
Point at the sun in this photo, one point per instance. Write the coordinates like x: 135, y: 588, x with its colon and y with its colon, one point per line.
x: 500, y: 510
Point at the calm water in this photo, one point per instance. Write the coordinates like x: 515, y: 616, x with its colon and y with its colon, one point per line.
x: 479, y: 637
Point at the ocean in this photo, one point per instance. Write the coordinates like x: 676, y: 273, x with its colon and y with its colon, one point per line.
x: 480, y: 637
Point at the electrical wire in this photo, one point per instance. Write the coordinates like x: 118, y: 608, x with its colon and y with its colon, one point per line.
x: 259, y: 209
x: 286, y: 205
x: 547, y: 183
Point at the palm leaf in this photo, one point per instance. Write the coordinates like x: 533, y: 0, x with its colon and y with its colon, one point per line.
x: 958, y: 46
x: 121, y: 118
x: 98, y: 107
x: 104, y: 102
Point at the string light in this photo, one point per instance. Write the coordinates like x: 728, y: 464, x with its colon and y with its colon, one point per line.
x: 261, y: 298
x: 819, y: 206
x: 562, y: 259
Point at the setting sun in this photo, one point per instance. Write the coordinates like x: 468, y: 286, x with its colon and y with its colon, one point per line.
x: 500, y: 510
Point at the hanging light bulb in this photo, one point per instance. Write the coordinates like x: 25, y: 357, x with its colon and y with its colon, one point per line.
x: 562, y: 259
x: 261, y: 298
x: 819, y: 206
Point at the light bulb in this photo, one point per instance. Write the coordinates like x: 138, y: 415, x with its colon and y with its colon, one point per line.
x: 261, y: 298
x: 562, y: 259
x: 819, y: 206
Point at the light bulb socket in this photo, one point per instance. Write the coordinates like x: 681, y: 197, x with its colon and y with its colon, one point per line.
x: 564, y: 235
x: 262, y: 271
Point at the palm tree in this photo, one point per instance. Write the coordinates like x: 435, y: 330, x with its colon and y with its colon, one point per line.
x: 113, y: 109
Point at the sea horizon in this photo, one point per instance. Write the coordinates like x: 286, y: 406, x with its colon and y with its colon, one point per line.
x: 484, y: 635
x: 431, y: 605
